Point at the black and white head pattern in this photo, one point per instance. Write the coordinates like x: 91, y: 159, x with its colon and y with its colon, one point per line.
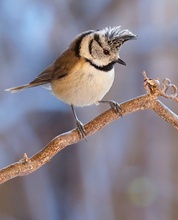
x: 100, y: 48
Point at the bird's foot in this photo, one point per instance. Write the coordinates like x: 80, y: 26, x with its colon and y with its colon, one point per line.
x: 114, y: 105
x: 81, y: 129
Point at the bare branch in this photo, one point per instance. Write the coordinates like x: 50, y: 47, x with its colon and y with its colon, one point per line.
x: 149, y: 101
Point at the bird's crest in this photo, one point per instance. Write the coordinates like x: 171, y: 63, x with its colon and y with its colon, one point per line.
x: 116, y: 37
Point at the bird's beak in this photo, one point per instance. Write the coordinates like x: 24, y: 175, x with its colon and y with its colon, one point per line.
x: 121, y: 61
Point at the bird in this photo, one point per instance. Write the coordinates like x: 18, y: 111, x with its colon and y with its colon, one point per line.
x: 84, y: 73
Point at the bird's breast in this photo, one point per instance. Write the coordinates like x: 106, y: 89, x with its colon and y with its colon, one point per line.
x: 84, y: 85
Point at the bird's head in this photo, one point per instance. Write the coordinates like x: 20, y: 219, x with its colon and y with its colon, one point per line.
x: 101, y: 47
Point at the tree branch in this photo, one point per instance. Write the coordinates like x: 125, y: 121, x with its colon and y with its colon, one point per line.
x: 149, y: 101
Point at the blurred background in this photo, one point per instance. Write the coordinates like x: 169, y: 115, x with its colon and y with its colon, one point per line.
x: 129, y: 169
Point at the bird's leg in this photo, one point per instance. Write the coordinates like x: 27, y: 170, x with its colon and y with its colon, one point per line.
x: 114, y: 105
x: 79, y: 124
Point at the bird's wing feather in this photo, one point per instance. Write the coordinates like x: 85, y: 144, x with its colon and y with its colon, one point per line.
x: 59, y: 69
x: 64, y: 64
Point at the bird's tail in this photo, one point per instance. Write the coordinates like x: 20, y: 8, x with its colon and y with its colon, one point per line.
x: 20, y: 88
x: 42, y: 79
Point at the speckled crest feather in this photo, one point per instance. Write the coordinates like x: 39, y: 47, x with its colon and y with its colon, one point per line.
x: 116, y: 37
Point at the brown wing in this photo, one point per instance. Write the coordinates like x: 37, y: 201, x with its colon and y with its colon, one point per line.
x: 64, y: 64
x: 60, y: 68
x: 44, y: 77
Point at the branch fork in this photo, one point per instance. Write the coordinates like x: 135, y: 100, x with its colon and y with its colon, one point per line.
x: 153, y: 88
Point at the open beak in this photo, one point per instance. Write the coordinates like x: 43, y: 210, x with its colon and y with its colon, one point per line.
x: 121, y: 61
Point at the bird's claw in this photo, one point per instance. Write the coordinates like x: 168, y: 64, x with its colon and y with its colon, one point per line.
x: 115, y: 106
x: 81, y: 129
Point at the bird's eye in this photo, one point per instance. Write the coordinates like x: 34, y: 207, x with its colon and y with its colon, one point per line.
x: 106, y: 52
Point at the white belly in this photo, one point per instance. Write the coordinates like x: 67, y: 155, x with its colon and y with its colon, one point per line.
x: 83, y: 88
